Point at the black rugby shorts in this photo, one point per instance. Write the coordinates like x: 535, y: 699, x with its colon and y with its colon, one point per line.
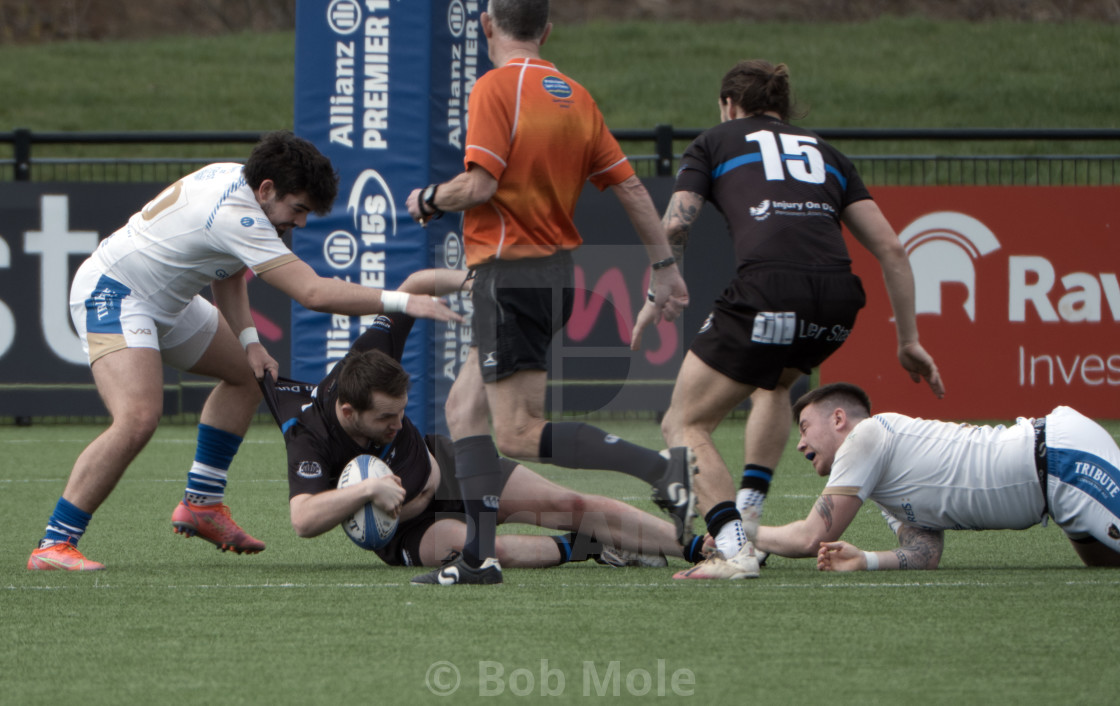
x: 770, y: 319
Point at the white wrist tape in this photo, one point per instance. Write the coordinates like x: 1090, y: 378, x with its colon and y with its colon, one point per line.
x: 248, y: 336
x: 872, y: 561
x: 394, y: 302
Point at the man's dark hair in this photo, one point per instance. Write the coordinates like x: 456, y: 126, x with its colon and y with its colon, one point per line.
x: 843, y: 394
x: 757, y: 86
x: 295, y: 166
x: 523, y: 20
x: 367, y: 372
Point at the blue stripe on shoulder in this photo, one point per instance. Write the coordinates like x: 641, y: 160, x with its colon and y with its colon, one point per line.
x: 757, y: 157
x: 735, y: 164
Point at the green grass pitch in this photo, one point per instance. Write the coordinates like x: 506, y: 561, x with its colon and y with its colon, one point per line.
x: 1011, y: 617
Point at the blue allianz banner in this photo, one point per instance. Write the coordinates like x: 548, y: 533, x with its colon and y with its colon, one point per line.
x: 382, y: 88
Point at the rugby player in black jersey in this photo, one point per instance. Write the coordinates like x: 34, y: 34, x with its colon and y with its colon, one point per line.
x: 359, y: 408
x: 793, y: 301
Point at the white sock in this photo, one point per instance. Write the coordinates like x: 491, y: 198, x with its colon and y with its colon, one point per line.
x: 730, y: 539
x: 749, y: 500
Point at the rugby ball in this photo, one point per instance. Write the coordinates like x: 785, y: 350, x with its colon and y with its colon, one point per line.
x: 369, y: 527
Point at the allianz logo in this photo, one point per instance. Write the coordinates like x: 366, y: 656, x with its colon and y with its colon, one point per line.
x: 945, y: 246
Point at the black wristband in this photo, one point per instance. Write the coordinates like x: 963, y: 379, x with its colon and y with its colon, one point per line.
x: 662, y: 264
x: 428, y: 198
x: 650, y: 296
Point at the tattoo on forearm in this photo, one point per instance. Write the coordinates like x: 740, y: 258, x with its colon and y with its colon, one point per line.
x: 679, y: 217
x: 677, y: 244
x: 901, y: 554
x: 919, y: 549
x: 824, y: 509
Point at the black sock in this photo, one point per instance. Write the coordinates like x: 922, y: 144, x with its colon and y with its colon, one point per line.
x: 756, y: 477
x: 579, y: 445
x: 577, y: 547
x: 479, y: 476
x: 720, y: 515
x: 694, y: 551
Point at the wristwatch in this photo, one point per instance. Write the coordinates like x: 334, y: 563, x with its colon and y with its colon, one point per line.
x: 428, y: 198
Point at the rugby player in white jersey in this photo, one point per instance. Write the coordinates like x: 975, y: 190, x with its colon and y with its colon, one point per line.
x: 136, y: 306
x: 928, y: 476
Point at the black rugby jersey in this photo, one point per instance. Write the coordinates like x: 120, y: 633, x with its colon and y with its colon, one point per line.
x: 780, y: 187
x: 318, y: 448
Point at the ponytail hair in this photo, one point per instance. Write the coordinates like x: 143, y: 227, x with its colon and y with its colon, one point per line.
x: 757, y: 86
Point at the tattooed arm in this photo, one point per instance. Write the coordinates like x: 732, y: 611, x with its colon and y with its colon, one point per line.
x: 830, y: 516
x: 684, y: 209
x: 917, y: 549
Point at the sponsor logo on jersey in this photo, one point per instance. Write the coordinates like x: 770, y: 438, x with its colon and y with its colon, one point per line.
x: 707, y: 324
x: 762, y: 211
x: 247, y: 221
x: 556, y: 86
x: 309, y: 469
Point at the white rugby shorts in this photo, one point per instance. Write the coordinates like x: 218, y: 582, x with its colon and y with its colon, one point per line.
x: 109, y: 318
x: 1083, y: 487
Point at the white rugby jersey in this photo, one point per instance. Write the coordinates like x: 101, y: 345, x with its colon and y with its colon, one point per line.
x: 206, y: 226
x: 940, y: 475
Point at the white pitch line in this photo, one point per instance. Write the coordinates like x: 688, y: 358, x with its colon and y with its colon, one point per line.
x: 691, y: 586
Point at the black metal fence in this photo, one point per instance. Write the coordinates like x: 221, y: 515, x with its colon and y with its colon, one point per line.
x: 885, y: 157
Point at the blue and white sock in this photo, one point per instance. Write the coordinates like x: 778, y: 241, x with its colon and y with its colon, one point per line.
x: 67, y: 524
x: 753, y: 489
x: 206, y: 481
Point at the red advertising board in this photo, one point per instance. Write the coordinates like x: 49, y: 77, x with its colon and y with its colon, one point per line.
x: 1017, y: 299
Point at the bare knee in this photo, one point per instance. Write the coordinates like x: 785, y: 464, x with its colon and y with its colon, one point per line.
x: 519, y: 440
x: 466, y: 413
x: 135, y: 427
x: 570, y: 504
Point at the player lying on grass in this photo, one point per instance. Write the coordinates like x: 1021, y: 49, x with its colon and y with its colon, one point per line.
x: 929, y: 476
x: 359, y: 408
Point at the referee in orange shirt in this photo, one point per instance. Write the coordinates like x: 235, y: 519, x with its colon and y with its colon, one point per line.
x: 534, y: 137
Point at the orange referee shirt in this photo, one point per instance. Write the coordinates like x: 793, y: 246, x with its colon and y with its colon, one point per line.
x: 541, y: 135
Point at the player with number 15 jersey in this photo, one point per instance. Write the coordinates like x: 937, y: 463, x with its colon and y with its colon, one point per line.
x: 792, y: 302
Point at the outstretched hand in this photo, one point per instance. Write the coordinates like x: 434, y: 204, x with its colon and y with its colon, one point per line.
x: 422, y: 306
x: 920, y: 365
x: 840, y: 556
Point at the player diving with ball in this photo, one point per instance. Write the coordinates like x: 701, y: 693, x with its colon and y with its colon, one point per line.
x: 359, y: 408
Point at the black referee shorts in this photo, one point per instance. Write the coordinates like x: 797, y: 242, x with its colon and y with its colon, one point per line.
x: 519, y: 305
x: 770, y: 319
